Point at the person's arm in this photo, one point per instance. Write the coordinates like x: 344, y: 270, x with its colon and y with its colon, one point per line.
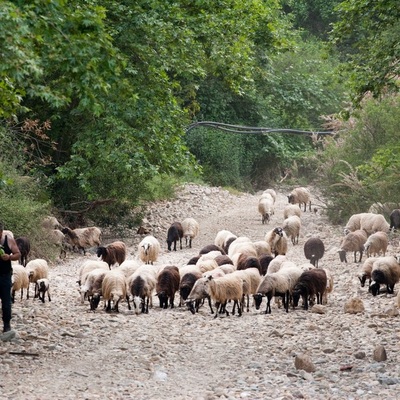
x: 15, y: 254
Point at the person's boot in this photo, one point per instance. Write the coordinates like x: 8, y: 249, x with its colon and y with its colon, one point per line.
x: 7, y: 327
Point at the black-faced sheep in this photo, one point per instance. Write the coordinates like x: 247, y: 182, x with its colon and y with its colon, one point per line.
x: 190, y: 230
x: 91, y: 287
x: 376, y: 243
x: 280, y: 284
x: 366, y: 270
x: 277, y: 240
x: 24, y: 246
x: 83, y: 238
x: 353, y: 241
x: 198, y: 294
x: 266, y: 209
x: 20, y: 281
x: 395, y: 219
x: 149, y: 249
x: 114, y: 253
x: 87, y: 266
x: 311, y: 283
x: 174, y: 235
x: 291, y: 226
x: 36, y: 269
x: 167, y: 285
x: 385, y: 271
x: 291, y: 209
x: 42, y: 287
x: 228, y: 287
x: 186, y: 284
x: 300, y: 196
x: 314, y: 250
x: 141, y: 285
x: 113, y: 289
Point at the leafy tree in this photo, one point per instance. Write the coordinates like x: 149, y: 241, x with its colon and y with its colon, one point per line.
x: 367, y: 32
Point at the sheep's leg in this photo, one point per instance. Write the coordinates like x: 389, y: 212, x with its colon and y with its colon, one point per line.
x: 239, y: 308
x: 147, y: 305
x: 268, y: 309
x: 180, y: 242
x: 129, y: 304
x: 286, y: 299
x: 171, y: 300
x: 48, y: 294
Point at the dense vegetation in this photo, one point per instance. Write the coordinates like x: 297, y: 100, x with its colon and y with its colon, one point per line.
x: 96, y: 96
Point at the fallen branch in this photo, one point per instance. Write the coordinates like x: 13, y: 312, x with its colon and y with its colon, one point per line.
x: 23, y: 353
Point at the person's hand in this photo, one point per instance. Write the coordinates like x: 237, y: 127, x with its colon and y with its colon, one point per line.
x: 5, y: 257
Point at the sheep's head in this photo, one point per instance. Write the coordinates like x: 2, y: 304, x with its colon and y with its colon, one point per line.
x: 94, y: 301
x: 296, y: 297
x: 278, y: 231
x: 374, y: 288
x: 257, y: 300
x: 362, y: 279
x: 138, y: 304
x: 162, y: 296
x: 146, y: 247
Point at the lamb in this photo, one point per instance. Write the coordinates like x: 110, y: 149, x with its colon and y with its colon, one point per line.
x: 311, y: 283
x: 366, y: 271
x: 42, y: 287
x: 24, y: 246
x: 385, y: 270
x: 376, y: 243
x: 394, y: 219
x: 277, y: 240
x: 372, y: 223
x: 190, y: 230
x: 141, y: 285
x: 167, y: 285
x: 228, y: 287
x: 291, y: 209
x: 279, y: 283
x: 314, y: 250
x: 149, y: 249
x: 36, y: 269
x: 83, y: 237
x: 114, y: 253
x: 174, y: 234
x: 300, y: 196
x: 291, y: 226
x: 266, y: 209
x: 20, y: 281
x: 113, y: 289
x: 353, y: 241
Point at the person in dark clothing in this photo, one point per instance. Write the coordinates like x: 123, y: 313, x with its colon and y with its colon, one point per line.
x: 8, y: 252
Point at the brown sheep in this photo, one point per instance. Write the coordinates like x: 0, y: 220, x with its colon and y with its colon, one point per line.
x: 114, y: 253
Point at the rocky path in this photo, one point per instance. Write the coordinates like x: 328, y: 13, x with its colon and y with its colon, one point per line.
x: 63, y: 351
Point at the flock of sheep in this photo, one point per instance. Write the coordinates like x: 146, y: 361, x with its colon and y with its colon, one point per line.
x: 226, y: 273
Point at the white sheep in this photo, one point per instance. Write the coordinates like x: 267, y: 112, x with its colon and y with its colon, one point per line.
x: 129, y: 267
x: 221, y: 236
x: 87, y: 266
x: 228, y: 287
x: 353, y: 241
x: 36, y: 269
x: 276, y: 263
x: 262, y: 248
x: 42, y: 287
x: 300, y: 196
x: 206, y: 265
x: 57, y: 238
x: 198, y: 293
x: 266, y: 209
x: 83, y: 238
x: 20, y: 281
x: 354, y: 223
x: 270, y: 192
x: 91, y: 287
x: 113, y: 289
x: 376, y: 243
x: 251, y: 280
x: 241, y: 242
x: 141, y: 285
x: 372, y: 223
x: 279, y: 283
x: 190, y: 230
x: 291, y: 226
x: 277, y: 240
x: 291, y: 209
x: 366, y: 270
x: 149, y: 249
x: 385, y: 270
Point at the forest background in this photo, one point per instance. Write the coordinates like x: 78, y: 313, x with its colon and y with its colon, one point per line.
x: 96, y: 98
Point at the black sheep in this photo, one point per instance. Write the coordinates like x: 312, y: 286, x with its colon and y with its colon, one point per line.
x: 186, y: 285
x: 245, y: 261
x: 314, y: 250
x: 24, y: 246
x: 167, y: 285
x: 175, y: 233
x: 395, y: 219
x: 311, y: 283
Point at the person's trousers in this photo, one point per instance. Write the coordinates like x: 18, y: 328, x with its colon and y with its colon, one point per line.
x: 5, y: 296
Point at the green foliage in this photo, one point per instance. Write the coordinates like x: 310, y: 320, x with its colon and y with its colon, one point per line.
x: 360, y: 166
x: 367, y: 32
